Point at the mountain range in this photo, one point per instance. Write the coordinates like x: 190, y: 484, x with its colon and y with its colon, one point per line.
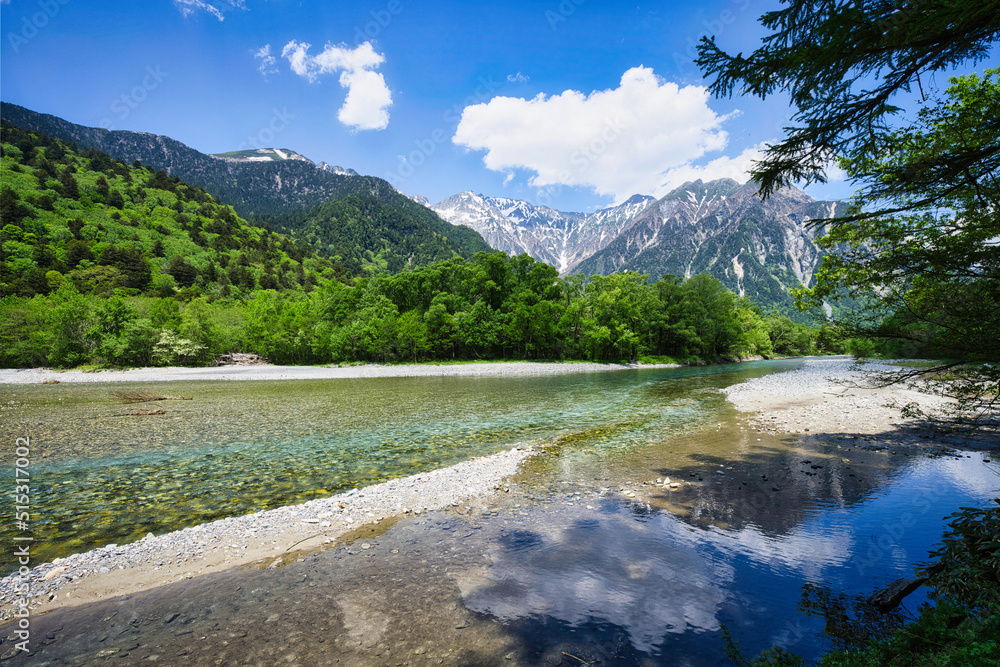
x: 758, y: 249
x: 555, y: 237
x: 254, y: 182
x: 361, y: 221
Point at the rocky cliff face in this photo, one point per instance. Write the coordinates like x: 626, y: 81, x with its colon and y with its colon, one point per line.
x: 757, y: 249
x: 562, y: 239
x: 336, y: 169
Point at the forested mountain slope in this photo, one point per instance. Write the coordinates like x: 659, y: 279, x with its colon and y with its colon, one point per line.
x: 79, y: 215
x: 361, y: 221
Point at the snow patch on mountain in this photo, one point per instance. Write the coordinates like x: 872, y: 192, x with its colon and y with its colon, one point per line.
x: 560, y: 238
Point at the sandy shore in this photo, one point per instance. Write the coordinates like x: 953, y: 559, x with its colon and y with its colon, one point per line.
x: 270, y: 538
x: 269, y: 372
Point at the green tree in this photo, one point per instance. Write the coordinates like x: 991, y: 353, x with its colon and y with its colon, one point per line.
x: 183, y: 273
x: 78, y: 251
x: 115, y: 200
x: 709, y: 310
x: 70, y: 190
x: 441, y: 330
x: 412, y: 333
x: 918, y: 246
x: 118, y: 335
x: 199, y: 327
x: 69, y: 317
x: 842, y: 64
x: 12, y: 211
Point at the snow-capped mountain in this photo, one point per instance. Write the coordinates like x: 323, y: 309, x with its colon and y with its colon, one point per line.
x: 759, y: 249
x: 262, y: 155
x: 562, y: 239
x: 279, y: 155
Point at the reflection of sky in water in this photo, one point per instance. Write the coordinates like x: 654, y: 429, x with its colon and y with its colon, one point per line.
x: 654, y: 575
x: 645, y: 576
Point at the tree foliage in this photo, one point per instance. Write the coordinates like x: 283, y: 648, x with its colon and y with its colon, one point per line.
x: 918, y: 250
x: 490, y: 307
x: 843, y: 64
x: 926, y: 264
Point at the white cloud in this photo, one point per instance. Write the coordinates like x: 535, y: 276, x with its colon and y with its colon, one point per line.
x: 368, y: 96
x: 215, y: 8
x: 737, y: 168
x: 368, y: 99
x: 518, y: 78
x: 645, y: 136
x: 834, y: 174
x: 268, y: 63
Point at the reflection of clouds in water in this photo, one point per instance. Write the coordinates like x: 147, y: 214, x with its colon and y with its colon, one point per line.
x: 807, y: 549
x: 655, y: 575
x: 969, y: 475
x: 652, y: 577
x: 633, y: 574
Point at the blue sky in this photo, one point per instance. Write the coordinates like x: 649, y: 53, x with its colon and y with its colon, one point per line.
x: 576, y: 104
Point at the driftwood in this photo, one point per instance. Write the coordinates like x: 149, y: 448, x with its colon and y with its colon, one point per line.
x: 145, y: 397
x: 891, y: 596
x: 240, y: 359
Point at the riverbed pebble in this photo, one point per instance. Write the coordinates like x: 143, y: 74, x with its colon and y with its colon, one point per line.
x: 279, y: 529
x: 827, y: 395
x: 269, y: 372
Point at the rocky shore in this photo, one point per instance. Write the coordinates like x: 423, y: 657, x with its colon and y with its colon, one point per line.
x: 827, y: 395
x: 269, y: 538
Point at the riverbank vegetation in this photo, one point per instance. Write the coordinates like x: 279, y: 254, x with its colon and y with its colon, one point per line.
x: 115, y: 265
x: 493, y: 307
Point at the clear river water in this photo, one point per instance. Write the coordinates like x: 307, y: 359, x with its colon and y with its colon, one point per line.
x: 579, y: 564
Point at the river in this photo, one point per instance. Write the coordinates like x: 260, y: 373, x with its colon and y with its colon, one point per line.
x: 589, y: 558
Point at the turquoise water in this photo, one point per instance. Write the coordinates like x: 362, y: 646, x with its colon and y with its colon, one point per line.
x: 237, y: 447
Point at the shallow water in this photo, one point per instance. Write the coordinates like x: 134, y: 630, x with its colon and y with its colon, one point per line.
x: 239, y: 447
x: 567, y: 569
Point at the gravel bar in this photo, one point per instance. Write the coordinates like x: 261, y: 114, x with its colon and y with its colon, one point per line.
x: 264, y: 536
x: 827, y: 395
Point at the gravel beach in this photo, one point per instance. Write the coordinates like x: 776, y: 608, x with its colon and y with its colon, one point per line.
x: 270, y: 372
x: 269, y: 537
x: 825, y: 396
